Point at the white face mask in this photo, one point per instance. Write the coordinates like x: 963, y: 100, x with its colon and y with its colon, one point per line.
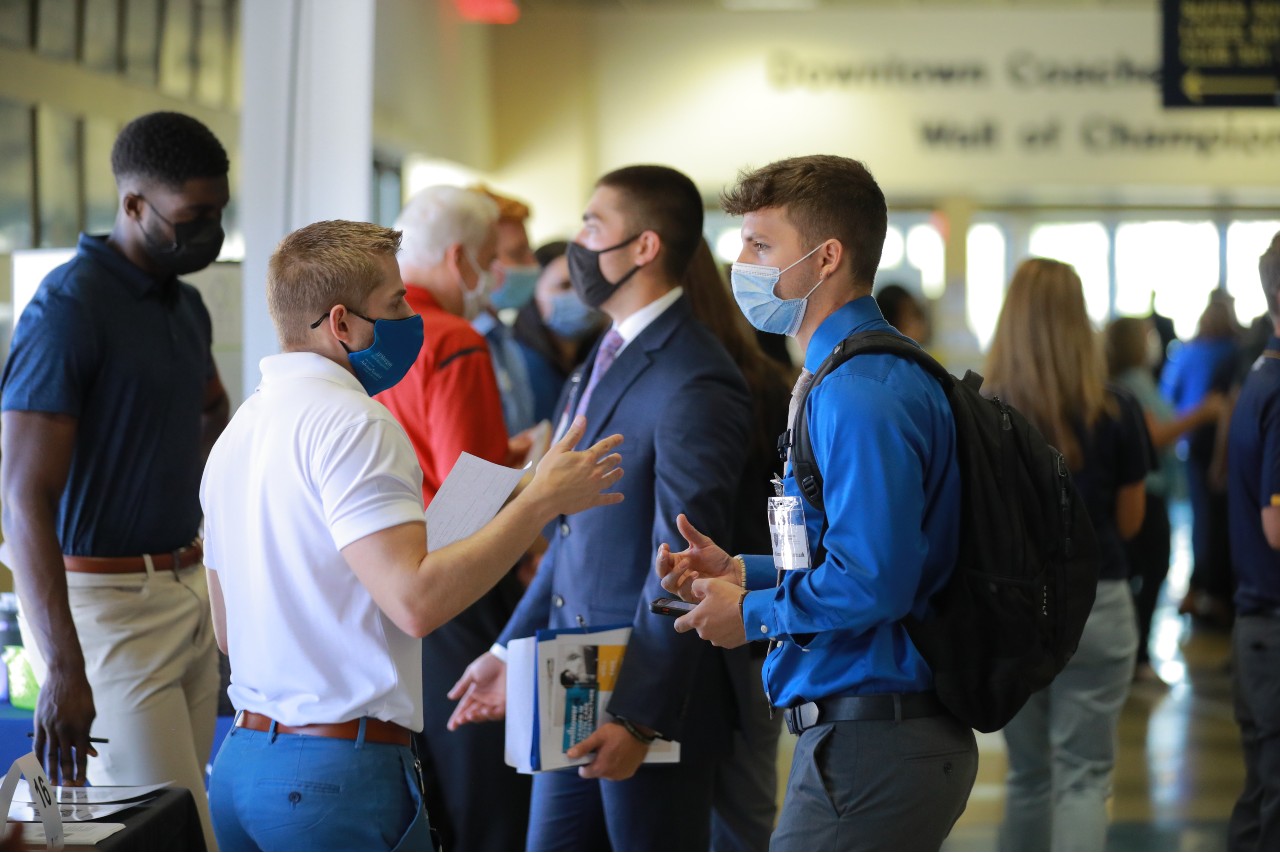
x: 476, y: 299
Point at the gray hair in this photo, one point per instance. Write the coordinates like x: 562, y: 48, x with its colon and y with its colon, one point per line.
x: 437, y: 217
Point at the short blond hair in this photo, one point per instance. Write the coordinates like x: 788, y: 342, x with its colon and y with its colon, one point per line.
x: 322, y: 265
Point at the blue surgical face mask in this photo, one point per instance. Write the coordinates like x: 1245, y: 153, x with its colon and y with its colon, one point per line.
x: 517, y: 288
x: 571, y: 317
x: 395, y: 347
x: 753, y: 288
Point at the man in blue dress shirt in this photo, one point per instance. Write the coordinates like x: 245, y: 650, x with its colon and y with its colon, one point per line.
x: 1253, y: 492
x: 879, y: 764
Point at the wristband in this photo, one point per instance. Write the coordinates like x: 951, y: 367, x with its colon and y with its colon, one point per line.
x: 634, y: 732
x: 742, y: 570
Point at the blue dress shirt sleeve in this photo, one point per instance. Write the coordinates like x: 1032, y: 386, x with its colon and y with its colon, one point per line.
x: 862, y: 428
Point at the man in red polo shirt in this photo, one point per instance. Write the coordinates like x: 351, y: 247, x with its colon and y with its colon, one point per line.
x: 449, y: 403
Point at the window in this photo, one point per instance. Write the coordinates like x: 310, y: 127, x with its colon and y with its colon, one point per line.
x: 1177, y: 262
x: 1246, y: 241
x: 927, y: 253
x: 985, y: 279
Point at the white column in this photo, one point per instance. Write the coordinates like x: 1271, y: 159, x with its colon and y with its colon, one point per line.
x: 306, y: 135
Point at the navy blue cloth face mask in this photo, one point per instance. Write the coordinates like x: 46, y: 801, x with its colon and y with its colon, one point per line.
x: 395, y: 347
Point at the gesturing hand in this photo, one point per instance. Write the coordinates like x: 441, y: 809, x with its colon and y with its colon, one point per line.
x: 570, y: 481
x: 702, y: 559
x: 718, y: 616
x: 482, y: 690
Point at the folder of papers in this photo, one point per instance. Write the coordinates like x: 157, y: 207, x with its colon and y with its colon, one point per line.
x: 558, y: 686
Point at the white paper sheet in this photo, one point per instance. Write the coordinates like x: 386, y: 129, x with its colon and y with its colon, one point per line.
x: 70, y: 812
x: 79, y: 834
x: 87, y: 796
x: 521, y: 664
x: 468, y: 499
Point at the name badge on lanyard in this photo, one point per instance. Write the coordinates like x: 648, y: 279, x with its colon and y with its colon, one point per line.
x: 789, y: 535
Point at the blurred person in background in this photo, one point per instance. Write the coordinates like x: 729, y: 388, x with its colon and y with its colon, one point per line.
x: 515, y: 276
x: 1046, y: 362
x: 1133, y: 347
x: 1203, y: 365
x: 902, y: 311
x: 555, y: 331
x: 746, y: 785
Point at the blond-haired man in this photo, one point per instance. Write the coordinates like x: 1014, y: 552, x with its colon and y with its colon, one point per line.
x: 318, y: 565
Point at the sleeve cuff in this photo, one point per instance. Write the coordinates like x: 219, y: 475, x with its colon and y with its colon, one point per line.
x: 499, y: 652
x: 757, y: 614
x: 761, y: 573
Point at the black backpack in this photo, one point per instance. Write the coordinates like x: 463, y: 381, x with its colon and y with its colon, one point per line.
x: 1012, y: 613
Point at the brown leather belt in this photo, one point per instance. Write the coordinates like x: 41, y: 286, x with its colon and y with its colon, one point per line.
x: 375, y: 731
x: 179, y: 559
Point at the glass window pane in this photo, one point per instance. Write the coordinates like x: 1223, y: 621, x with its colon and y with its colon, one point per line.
x: 58, y: 165
x: 99, y: 184
x: 1084, y: 245
x: 102, y: 35
x: 926, y: 252
x: 1175, y: 261
x: 58, y: 29
x: 212, y: 45
x: 985, y: 278
x: 177, y: 49
x: 232, y: 88
x: 141, y: 40
x: 16, y: 168
x: 895, y: 249
x: 1246, y: 241
x: 15, y: 23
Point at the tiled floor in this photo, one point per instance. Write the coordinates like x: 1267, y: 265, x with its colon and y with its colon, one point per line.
x: 1179, y: 767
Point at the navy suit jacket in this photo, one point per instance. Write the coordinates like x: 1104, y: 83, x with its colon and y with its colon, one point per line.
x: 684, y: 412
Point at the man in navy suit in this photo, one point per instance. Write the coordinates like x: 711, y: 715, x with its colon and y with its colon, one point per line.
x: 664, y: 382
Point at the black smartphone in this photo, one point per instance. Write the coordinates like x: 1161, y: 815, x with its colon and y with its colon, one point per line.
x: 670, y: 607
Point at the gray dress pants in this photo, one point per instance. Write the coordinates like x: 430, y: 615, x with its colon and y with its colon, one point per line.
x: 1255, y: 821
x: 877, y: 785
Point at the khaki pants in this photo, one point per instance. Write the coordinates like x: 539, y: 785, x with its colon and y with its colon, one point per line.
x: 150, y: 658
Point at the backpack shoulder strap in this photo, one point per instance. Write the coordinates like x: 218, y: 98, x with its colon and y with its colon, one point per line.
x: 803, y: 464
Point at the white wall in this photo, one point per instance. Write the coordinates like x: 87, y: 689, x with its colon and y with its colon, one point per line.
x: 432, y: 84
x: 713, y: 91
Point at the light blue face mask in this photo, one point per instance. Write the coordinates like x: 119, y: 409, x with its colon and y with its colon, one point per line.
x: 517, y: 288
x: 571, y: 317
x: 753, y: 286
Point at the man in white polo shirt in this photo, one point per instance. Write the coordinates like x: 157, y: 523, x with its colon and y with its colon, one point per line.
x: 319, y: 573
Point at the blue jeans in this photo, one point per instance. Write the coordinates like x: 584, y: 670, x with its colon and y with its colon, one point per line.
x: 1062, y: 743
x: 300, y: 792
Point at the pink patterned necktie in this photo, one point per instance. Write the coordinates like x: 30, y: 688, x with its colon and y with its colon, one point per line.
x: 604, y: 358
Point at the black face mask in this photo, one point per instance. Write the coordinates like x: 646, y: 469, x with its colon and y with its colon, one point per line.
x: 585, y: 276
x: 194, y: 246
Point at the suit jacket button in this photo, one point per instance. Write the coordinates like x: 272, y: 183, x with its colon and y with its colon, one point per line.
x: 558, y: 601
x: 564, y: 528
